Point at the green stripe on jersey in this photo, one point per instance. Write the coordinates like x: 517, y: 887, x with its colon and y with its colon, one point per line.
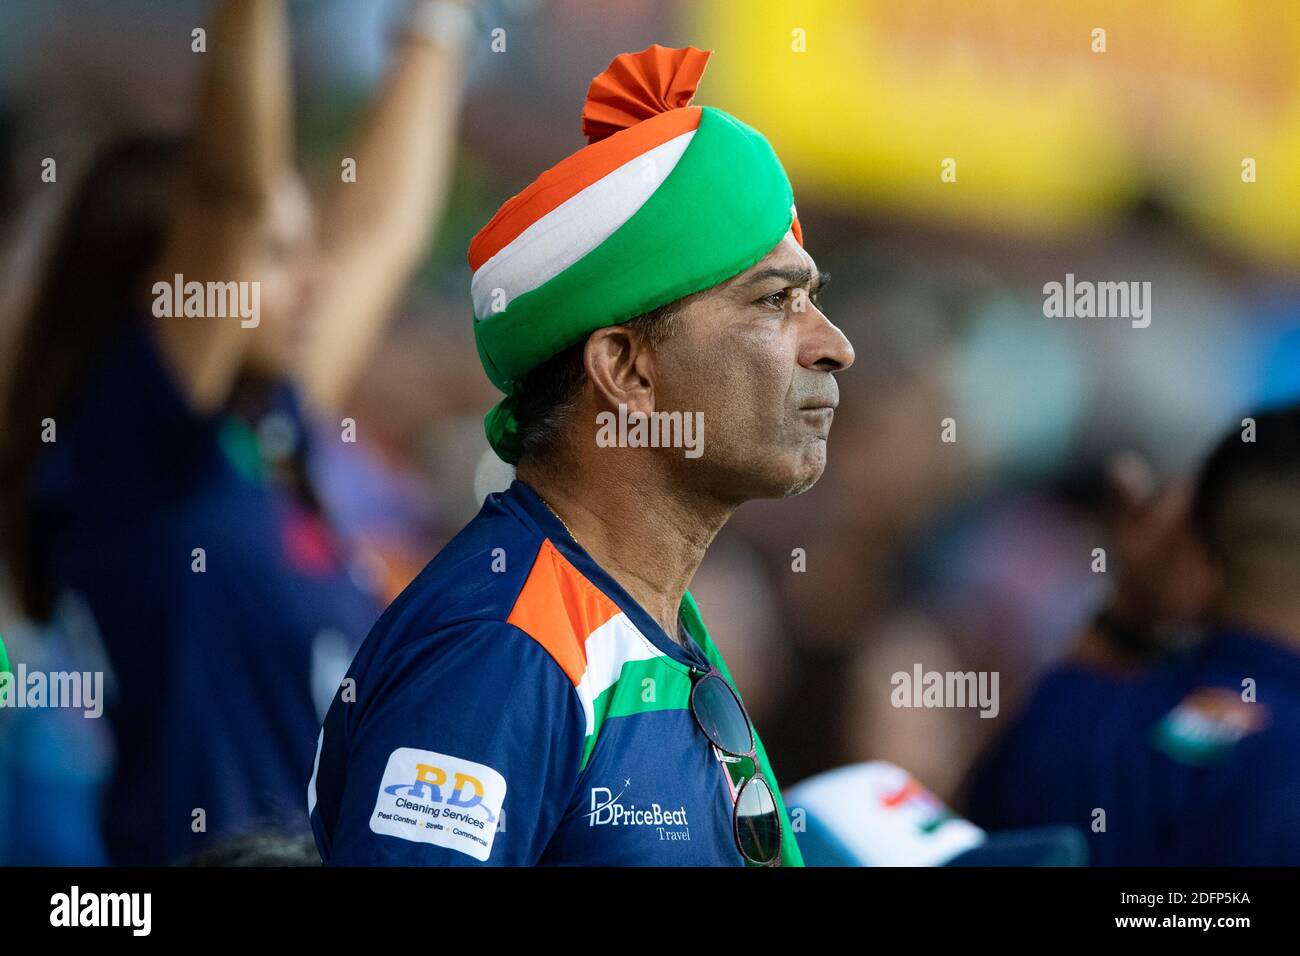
x: 790, y: 855
x: 659, y: 683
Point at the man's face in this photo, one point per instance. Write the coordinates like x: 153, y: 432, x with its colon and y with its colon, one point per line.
x: 756, y: 356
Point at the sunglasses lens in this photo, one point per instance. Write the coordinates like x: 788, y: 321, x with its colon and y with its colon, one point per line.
x: 720, y: 716
x: 758, y: 827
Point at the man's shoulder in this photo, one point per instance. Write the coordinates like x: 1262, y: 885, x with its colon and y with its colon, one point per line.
x: 1074, y: 705
x: 500, y: 577
x: 1180, y: 710
x: 1072, y: 693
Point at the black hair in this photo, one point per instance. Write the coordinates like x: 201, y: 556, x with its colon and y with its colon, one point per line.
x: 1248, y: 489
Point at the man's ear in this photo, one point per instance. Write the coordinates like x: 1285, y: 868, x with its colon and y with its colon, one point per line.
x: 620, y: 365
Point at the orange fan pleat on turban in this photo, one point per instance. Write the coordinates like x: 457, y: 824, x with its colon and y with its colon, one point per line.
x: 637, y: 86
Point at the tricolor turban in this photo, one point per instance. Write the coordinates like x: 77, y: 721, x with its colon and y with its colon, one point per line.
x: 666, y: 199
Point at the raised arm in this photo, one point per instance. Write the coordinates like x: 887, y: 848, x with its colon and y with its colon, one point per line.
x: 376, y: 229
x: 241, y: 149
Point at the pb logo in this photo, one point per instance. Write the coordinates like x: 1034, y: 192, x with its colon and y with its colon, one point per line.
x: 466, y: 791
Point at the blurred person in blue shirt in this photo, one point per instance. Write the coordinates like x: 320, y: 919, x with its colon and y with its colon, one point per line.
x: 53, y: 756
x: 1193, y: 757
x: 155, y: 459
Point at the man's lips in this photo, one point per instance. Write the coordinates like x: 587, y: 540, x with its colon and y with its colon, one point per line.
x: 818, y: 417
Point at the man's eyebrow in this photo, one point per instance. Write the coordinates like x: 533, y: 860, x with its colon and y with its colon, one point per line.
x: 793, y: 275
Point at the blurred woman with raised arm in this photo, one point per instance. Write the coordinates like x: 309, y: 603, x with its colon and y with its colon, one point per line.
x: 154, y: 456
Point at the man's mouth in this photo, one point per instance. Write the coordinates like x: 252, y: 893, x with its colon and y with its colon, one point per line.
x: 818, y: 417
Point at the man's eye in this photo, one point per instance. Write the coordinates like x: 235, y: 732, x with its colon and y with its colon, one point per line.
x: 777, y: 298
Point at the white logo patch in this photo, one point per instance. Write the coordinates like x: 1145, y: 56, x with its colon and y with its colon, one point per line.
x: 429, y: 797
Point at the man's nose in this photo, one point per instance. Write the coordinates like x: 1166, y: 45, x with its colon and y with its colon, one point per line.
x: 824, y: 348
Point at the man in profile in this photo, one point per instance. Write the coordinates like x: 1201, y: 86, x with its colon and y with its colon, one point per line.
x: 1194, y: 761
x: 546, y: 691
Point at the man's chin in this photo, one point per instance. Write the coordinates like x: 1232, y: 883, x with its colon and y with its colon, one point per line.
x: 804, y: 484
x: 763, y: 472
x: 801, y: 475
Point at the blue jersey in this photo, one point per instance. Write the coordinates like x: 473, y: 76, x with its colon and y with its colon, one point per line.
x: 220, y: 598
x: 1196, y: 763
x: 514, y: 706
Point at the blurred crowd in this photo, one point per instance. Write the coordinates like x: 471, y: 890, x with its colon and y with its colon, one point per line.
x: 971, y: 554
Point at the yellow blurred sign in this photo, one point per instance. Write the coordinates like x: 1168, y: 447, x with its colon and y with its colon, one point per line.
x: 1036, y: 116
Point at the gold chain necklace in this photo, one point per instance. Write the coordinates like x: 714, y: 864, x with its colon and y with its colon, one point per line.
x: 561, y: 520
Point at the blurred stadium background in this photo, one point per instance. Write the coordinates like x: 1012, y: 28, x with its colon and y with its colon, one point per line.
x: 1124, y: 165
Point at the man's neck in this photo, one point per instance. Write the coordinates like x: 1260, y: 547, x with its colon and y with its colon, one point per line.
x: 649, y: 537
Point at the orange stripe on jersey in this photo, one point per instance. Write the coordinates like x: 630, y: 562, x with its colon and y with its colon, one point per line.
x: 558, y: 608
x: 571, y: 176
